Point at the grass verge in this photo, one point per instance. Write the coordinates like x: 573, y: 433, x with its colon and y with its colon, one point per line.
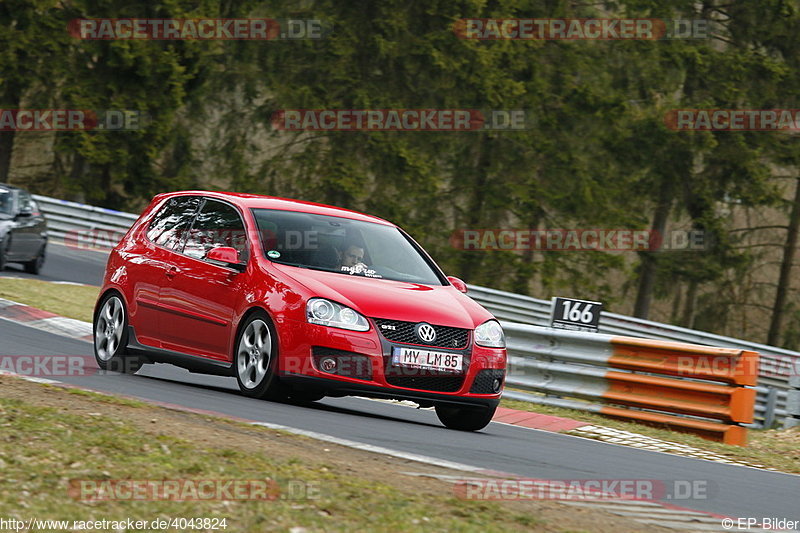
x: 51, y: 436
x: 71, y: 301
x: 59, y: 447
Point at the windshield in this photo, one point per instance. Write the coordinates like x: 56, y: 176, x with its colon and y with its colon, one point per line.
x: 341, y: 245
x: 5, y: 201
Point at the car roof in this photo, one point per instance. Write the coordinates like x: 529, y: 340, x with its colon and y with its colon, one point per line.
x: 9, y: 187
x: 257, y: 201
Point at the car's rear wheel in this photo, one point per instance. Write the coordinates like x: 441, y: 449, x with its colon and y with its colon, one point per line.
x: 256, y: 358
x: 35, y: 266
x: 111, y: 337
x: 465, y: 418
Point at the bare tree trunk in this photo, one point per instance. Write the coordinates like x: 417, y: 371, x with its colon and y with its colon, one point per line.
x: 784, y: 278
x: 76, y: 176
x: 677, y: 299
x: 647, y: 273
x: 12, y: 94
x: 523, y: 277
x: 690, y: 310
x: 471, y: 260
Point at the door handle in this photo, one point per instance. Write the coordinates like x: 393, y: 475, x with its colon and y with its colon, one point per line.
x: 172, y: 272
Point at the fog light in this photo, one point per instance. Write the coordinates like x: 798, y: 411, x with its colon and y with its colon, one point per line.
x: 328, y: 364
x: 497, y: 384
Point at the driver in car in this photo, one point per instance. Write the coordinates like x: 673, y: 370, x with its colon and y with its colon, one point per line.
x: 352, y: 259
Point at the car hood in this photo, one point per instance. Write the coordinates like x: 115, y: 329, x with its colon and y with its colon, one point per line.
x: 398, y: 300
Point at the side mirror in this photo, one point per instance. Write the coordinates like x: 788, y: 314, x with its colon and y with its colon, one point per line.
x: 25, y: 212
x: 457, y: 283
x: 226, y: 256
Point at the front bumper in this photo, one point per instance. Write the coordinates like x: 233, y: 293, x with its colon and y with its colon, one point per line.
x: 344, y: 388
x: 368, y: 370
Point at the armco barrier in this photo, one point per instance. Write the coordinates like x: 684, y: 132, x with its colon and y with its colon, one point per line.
x: 84, y: 225
x: 775, y: 364
x: 692, y: 388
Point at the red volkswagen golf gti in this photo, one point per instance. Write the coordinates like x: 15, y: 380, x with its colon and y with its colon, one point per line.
x: 298, y: 301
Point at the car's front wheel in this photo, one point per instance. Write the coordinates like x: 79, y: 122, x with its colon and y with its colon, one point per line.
x: 35, y: 266
x: 465, y: 418
x: 256, y: 358
x: 111, y: 337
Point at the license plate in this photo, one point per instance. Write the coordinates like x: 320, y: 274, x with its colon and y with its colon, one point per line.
x: 412, y: 357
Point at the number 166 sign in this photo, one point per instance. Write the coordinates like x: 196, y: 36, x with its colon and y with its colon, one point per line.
x: 577, y: 315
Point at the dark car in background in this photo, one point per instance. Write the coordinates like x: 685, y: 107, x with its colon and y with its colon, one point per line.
x: 23, y: 231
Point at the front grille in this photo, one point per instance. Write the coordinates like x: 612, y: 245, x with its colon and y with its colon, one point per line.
x: 352, y: 365
x: 446, y: 337
x: 484, y: 379
x: 428, y: 383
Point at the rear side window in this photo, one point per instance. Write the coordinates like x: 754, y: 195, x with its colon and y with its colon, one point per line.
x: 172, y: 222
x: 217, y: 224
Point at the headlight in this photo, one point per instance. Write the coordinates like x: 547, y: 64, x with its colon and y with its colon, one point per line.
x: 328, y: 313
x: 490, y: 334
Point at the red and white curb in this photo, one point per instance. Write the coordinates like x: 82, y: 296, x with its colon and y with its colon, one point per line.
x: 636, y: 440
x: 45, y: 320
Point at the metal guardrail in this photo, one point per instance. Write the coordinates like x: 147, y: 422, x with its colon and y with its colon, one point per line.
x: 87, y: 225
x: 84, y: 224
x: 644, y: 380
x: 775, y: 364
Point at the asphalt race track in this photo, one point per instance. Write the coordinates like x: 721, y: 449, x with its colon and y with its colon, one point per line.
x: 64, y: 263
x: 733, y: 490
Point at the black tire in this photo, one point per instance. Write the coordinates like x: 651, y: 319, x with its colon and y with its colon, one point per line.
x: 35, y: 266
x: 465, y: 418
x: 255, y: 358
x: 110, y: 326
x: 3, y: 245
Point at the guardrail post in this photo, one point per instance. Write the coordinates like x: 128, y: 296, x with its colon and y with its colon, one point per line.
x: 793, y: 403
x: 769, y: 408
